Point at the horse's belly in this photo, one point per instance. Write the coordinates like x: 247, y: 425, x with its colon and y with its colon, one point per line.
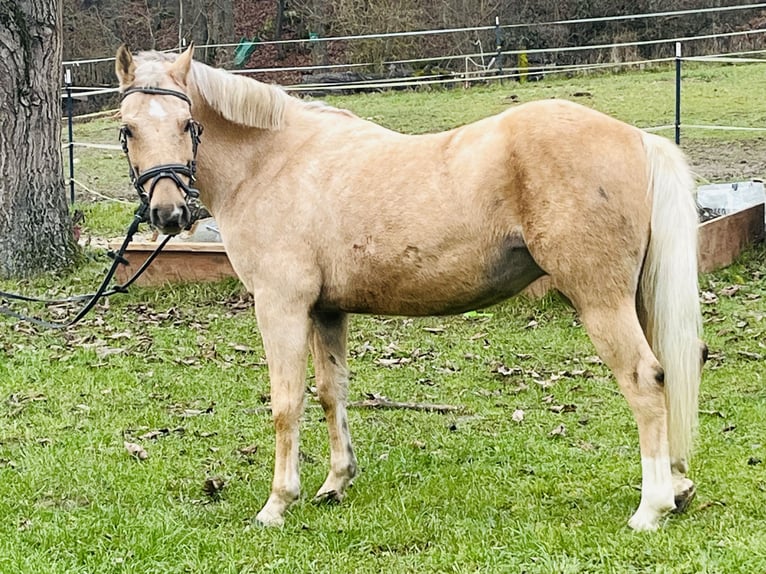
x: 421, y: 282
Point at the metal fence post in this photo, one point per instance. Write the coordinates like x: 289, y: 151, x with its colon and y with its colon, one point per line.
x: 678, y: 93
x: 68, y: 84
x: 499, y: 47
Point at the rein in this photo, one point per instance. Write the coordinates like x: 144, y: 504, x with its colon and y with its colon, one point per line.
x: 171, y: 171
x: 102, y: 291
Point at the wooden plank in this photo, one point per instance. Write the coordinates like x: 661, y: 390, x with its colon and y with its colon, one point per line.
x: 177, y: 263
x: 721, y: 240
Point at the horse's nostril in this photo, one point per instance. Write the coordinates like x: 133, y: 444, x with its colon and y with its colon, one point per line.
x: 186, y: 217
x: 170, y: 216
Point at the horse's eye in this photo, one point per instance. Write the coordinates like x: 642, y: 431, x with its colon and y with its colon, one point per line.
x: 126, y: 131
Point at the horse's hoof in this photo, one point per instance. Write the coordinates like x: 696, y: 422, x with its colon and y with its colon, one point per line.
x: 684, y: 498
x: 330, y: 497
x: 269, y: 520
x: 643, y: 521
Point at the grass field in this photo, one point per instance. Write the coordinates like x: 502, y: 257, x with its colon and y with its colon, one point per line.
x: 181, y: 372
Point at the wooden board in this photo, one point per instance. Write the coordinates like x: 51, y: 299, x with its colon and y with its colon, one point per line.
x: 177, y: 262
x: 721, y: 240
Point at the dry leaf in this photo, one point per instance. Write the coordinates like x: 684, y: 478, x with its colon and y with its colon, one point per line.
x: 563, y: 408
x: 508, y: 371
x: 103, y: 352
x: 558, y: 431
x: 517, y: 416
x: 242, y: 348
x: 435, y: 330
x: 248, y: 450
x: 730, y: 291
x: 136, y: 450
x: 213, y: 486
x: 708, y: 297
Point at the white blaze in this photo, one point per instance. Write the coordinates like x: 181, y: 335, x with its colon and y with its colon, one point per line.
x: 156, y: 110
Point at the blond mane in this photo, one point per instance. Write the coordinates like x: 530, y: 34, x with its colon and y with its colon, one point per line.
x: 238, y: 99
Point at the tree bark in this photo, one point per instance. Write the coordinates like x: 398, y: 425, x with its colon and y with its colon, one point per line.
x: 35, y: 228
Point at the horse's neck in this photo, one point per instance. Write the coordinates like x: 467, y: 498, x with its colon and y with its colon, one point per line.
x: 232, y: 157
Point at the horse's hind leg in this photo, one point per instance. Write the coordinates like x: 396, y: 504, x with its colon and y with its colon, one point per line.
x: 328, y: 348
x: 620, y: 341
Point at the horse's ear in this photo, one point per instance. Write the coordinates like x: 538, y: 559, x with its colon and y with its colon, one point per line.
x: 180, y: 68
x: 125, y: 66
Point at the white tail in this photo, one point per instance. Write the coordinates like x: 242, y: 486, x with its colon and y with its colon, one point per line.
x: 669, y: 288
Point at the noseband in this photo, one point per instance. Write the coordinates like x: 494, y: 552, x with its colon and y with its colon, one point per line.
x: 168, y: 170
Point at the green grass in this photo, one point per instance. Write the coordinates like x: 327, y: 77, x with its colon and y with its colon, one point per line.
x: 472, y: 491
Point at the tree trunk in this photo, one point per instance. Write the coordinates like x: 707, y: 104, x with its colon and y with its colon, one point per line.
x: 207, y: 22
x: 35, y: 228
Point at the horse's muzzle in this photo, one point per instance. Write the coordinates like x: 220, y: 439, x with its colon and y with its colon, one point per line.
x: 170, y: 219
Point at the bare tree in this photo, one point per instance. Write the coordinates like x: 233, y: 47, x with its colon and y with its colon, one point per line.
x: 35, y: 228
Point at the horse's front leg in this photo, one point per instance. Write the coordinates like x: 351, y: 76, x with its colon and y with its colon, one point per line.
x: 328, y: 348
x: 285, y: 331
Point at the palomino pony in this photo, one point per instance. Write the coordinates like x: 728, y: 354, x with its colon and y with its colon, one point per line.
x: 323, y: 214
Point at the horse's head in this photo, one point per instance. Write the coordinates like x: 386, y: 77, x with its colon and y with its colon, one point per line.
x: 159, y: 135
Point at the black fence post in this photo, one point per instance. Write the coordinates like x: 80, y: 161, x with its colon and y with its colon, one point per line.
x: 678, y: 93
x: 68, y: 84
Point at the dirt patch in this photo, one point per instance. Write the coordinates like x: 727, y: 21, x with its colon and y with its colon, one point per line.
x: 725, y: 161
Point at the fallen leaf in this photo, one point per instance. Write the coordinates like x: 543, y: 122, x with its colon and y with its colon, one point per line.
x: 569, y: 408
x: 517, y: 416
x: 213, y: 486
x: 709, y: 298
x: 136, y: 450
x: 558, y: 431
x: 730, y: 291
x: 501, y: 369
x: 435, y: 330
x: 159, y: 433
x: 103, y: 352
x: 394, y: 362
x: 242, y: 348
x: 248, y: 450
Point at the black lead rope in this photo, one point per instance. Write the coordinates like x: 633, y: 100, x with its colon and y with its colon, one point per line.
x: 102, y: 291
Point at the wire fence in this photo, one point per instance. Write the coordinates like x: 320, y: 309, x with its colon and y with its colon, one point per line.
x: 389, y: 35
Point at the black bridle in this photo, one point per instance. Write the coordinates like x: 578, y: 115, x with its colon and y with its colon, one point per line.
x: 171, y: 171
